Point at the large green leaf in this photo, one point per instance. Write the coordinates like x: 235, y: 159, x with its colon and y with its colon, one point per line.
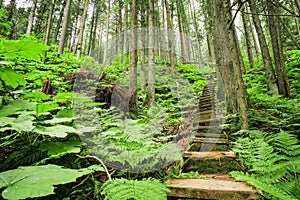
x: 58, y: 149
x: 15, y: 106
x: 36, y: 181
x: 56, y: 131
x: 22, y: 123
x: 11, y: 78
x: 27, y: 48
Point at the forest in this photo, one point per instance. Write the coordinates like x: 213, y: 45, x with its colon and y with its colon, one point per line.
x: 149, y: 100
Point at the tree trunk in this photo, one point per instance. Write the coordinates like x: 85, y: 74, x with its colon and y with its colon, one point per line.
x: 107, y: 33
x: 133, y: 59
x: 31, y: 17
x: 270, y: 75
x: 58, y: 25
x: 151, y: 66
x: 183, y: 52
x: 10, y: 12
x: 252, y: 29
x: 274, y: 28
x: 170, y: 36
x: 228, y: 60
x: 197, y: 32
x: 64, y: 28
x: 247, y: 38
x: 82, y: 27
x: 119, y: 29
x: 49, y: 26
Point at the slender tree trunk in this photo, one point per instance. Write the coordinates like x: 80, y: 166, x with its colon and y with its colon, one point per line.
x: 40, y: 19
x: 296, y: 9
x: 90, y: 41
x: 270, y: 75
x: 58, y: 25
x: 107, y: 33
x: 252, y: 29
x: 274, y: 28
x: 81, y: 30
x: 197, y: 32
x: 119, y: 29
x: 170, y: 36
x: 64, y: 28
x: 31, y: 17
x: 10, y: 12
x: 209, y: 31
x: 151, y: 67
x: 247, y: 38
x: 49, y: 26
x: 133, y: 58
x: 183, y: 52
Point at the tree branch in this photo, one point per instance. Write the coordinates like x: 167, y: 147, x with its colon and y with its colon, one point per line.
x: 98, y: 159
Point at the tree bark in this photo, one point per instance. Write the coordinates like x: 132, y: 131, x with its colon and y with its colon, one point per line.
x: 31, y: 17
x: 133, y: 59
x: 64, y: 28
x: 228, y: 60
x: 49, y: 26
x: 58, y: 25
x: 270, y: 75
x: 274, y: 28
x: 247, y: 38
x: 170, y: 36
x: 107, y: 33
x: 252, y: 29
x: 151, y: 54
x: 82, y: 27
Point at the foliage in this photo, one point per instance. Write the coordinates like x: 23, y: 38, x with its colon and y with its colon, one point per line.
x: 123, y: 189
x: 5, y: 26
x: 36, y: 181
x: 273, y: 161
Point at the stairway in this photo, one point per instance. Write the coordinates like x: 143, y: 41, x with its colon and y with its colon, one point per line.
x: 209, y: 154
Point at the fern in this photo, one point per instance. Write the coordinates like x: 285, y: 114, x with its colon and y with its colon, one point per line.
x: 123, y: 189
x: 274, y: 163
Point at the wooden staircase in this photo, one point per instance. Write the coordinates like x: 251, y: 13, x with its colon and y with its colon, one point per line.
x: 209, y: 145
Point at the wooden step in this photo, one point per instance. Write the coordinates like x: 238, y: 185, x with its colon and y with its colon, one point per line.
x: 209, y: 127
x: 208, y: 120
x: 211, y: 140
x: 206, y: 112
x: 209, y: 135
x: 211, y: 154
x: 214, y: 187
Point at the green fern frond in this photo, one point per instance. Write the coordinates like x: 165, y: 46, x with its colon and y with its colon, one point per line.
x: 123, y: 189
x: 263, y: 186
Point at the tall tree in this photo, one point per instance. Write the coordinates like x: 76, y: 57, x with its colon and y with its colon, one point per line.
x: 247, y: 37
x: 107, y: 32
x: 228, y: 59
x: 170, y: 35
x: 151, y: 66
x: 270, y: 74
x: 64, y: 28
x: 133, y: 58
x: 59, y: 21
x: 81, y: 30
x: 31, y: 17
x: 275, y: 32
x: 49, y: 26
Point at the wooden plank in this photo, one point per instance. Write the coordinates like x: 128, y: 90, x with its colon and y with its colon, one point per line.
x: 211, y: 140
x: 211, y: 154
x: 209, y: 135
x: 211, y: 188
